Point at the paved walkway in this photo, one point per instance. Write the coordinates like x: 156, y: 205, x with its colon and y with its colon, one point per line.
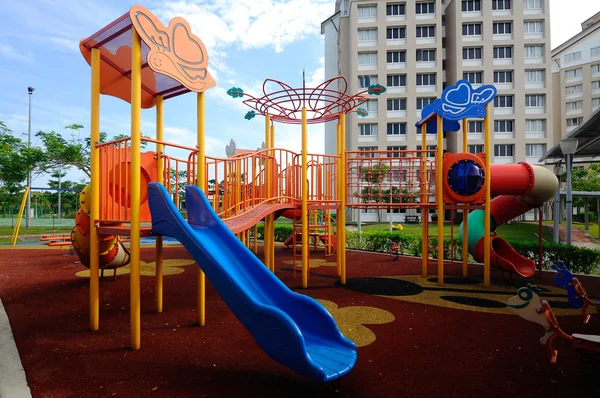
x: 578, y: 237
x: 13, y: 383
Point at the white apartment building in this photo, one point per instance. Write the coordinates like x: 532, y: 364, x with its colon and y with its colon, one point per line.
x: 505, y: 43
x: 576, y: 78
x: 417, y: 48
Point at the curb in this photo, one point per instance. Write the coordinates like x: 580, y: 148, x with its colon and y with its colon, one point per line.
x: 13, y: 382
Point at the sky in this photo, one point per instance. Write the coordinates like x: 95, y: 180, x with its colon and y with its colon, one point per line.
x: 247, y: 41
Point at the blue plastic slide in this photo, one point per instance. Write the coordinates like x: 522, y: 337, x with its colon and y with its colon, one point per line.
x: 291, y: 328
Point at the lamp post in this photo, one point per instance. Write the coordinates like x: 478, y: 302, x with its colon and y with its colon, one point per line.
x: 568, y: 146
x: 30, y: 91
x: 557, y: 173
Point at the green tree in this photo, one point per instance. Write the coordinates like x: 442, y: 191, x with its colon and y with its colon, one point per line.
x: 585, y: 179
x: 374, y: 176
x: 17, y: 159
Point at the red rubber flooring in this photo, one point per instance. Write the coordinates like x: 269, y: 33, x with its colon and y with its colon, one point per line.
x: 425, y: 351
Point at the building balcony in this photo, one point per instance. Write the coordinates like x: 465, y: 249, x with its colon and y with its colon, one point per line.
x: 395, y: 42
x: 505, y: 135
x: 471, y: 14
x: 396, y: 114
x: 504, y: 110
x: 504, y: 159
x: 396, y: 90
x: 504, y: 37
x: 535, y: 85
x: 537, y: 35
x: 428, y: 64
x: 574, y: 112
x: 534, y: 60
x: 421, y: 17
x: 472, y: 62
x: 532, y: 11
x: 367, y: 67
x: 504, y: 86
x: 501, y: 13
x: 425, y: 40
x: 475, y: 136
x: 367, y: 43
x: 367, y: 20
x: 396, y: 65
x: 535, y: 134
x: 503, y: 61
x: 396, y: 137
x: 395, y: 18
x: 535, y: 110
x: 367, y: 138
x: 532, y: 159
x: 472, y: 38
x: 426, y: 89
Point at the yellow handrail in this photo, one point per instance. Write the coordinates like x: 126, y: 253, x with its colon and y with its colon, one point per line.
x: 15, y: 234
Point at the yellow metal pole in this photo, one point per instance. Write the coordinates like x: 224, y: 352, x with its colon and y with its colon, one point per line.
x: 338, y: 194
x: 15, y: 234
x: 424, y: 211
x: 267, y: 223
x: 159, y: 239
x: 342, y: 244
x: 486, y: 209
x: 272, y: 193
x: 304, y: 201
x: 201, y: 182
x: 439, y: 194
x: 465, y: 252
x: 136, y: 136
x: 95, y: 193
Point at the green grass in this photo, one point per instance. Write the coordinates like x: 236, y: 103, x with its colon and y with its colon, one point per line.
x: 516, y: 231
x: 35, y: 230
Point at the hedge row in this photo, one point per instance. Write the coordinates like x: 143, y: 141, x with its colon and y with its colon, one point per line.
x: 577, y: 259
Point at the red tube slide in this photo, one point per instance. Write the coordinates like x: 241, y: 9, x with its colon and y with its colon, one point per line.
x: 516, y: 189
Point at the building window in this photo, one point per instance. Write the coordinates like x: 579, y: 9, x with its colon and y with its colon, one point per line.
x: 535, y: 150
x: 429, y: 148
x: 596, y: 85
x: 475, y: 127
x: 503, y: 101
x: 471, y: 5
x: 396, y: 104
x: 369, y: 151
x: 535, y: 125
x: 473, y: 77
x: 471, y: 29
x: 396, y: 80
x: 366, y: 80
x: 595, y: 51
x: 396, y: 128
x: 574, y: 105
x: 504, y: 52
x: 395, y: 148
x: 533, y: 27
x: 395, y: 10
x: 532, y: 4
x: 574, y: 121
x: 425, y: 55
x: 425, y: 8
x: 534, y: 51
x: 535, y: 101
x: 425, y: 79
x: 367, y: 130
x: 535, y: 76
x: 367, y: 35
x: 595, y: 69
x: 573, y: 56
x: 595, y: 103
x: 502, y: 28
x: 504, y: 150
x: 367, y: 58
x: 503, y: 76
x: 475, y: 148
x: 504, y: 126
x: 371, y: 106
x: 425, y: 31
x: 573, y: 90
x: 470, y: 53
x: 395, y: 57
x: 396, y: 33
x: 573, y: 74
x: 498, y: 5
x: 423, y: 102
x: 367, y: 11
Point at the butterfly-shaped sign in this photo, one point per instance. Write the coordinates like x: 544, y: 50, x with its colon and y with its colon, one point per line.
x: 174, y: 50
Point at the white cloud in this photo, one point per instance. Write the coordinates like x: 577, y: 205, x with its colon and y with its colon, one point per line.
x: 11, y: 53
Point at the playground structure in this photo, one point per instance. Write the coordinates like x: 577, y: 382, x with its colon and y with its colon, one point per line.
x: 527, y: 305
x: 143, y: 62
x: 578, y: 297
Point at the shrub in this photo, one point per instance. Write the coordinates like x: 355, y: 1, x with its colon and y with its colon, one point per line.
x: 577, y: 259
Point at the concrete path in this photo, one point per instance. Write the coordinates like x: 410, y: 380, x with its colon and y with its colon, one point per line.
x: 13, y: 383
x: 578, y: 238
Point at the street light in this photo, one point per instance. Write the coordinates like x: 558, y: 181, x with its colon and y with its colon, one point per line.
x: 568, y: 146
x: 30, y: 91
x: 557, y: 173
